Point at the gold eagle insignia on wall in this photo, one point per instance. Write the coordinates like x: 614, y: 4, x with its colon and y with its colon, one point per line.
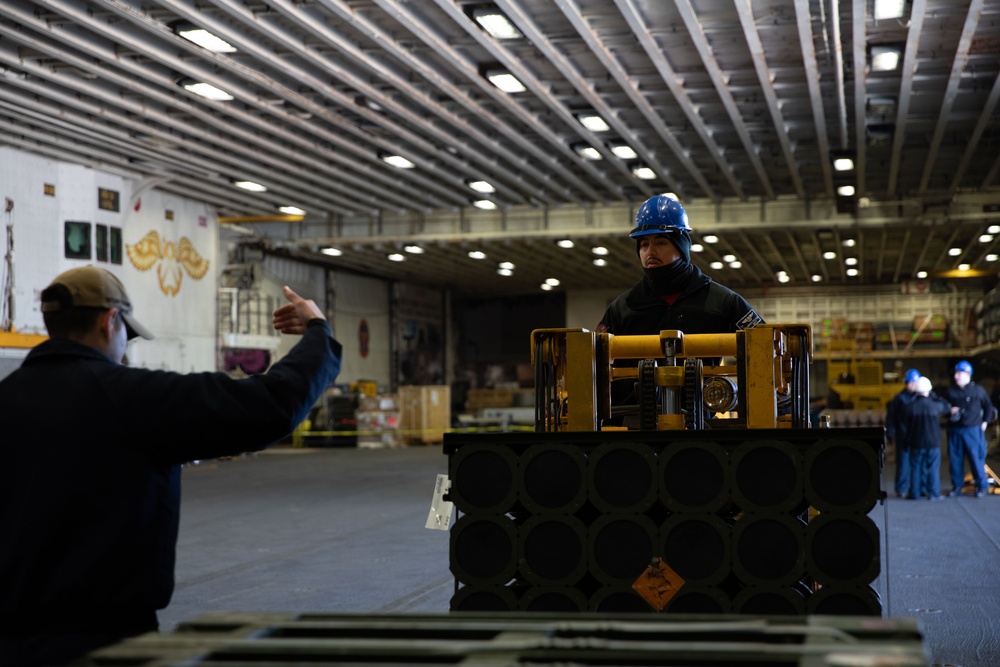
x: 171, y: 260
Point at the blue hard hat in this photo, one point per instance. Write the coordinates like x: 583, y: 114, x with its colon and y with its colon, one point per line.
x: 660, y: 214
x: 963, y: 366
x: 912, y: 375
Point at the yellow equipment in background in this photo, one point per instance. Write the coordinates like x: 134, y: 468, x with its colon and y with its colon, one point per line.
x: 766, y: 387
x: 860, y: 384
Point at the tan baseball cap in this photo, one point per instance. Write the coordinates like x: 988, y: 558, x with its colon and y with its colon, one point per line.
x: 93, y: 287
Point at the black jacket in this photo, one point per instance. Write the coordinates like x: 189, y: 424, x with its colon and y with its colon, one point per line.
x: 90, y: 474
x: 703, y: 306
x: 974, y: 403
x: 921, y: 421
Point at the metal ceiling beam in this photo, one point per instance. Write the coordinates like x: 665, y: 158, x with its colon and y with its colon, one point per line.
x: 804, y: 21
x: 606, y: 57
x: 406, y: 57
x: 907, y: 72
x: 951, y: 92
x: 858, y: 46
x: 766, y: 81
x: 984, y: 120
x: 584, y: 88
x: 721, y: 83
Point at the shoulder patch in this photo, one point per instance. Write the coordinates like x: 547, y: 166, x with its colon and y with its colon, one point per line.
x: 749, y: 321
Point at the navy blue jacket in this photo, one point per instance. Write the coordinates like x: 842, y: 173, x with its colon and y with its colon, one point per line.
x: 922, y: 421
x: 976, y: 406
x: 894, y: 428
x: 90, y: 474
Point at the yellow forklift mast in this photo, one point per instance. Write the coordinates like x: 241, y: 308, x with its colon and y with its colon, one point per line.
x: 763, y: 381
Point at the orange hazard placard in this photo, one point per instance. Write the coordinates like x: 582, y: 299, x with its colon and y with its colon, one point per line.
x: 658, y: 584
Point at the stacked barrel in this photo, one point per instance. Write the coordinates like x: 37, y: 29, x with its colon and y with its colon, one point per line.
x: 758, y: 522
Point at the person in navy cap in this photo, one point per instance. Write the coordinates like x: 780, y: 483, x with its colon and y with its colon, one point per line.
x: 895, y: 432
x: 921, y: 421
x: 967, y: 430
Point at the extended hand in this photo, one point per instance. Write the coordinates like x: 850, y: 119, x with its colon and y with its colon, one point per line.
x: 293, y: 317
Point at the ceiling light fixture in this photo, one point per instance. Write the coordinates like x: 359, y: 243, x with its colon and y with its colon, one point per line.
x: 202, y: 37
x: 485, y: 187
x: 829, y: 254
x: 505, y: 272
x: 587, y: 152
x: 506, y: 265
x: 848, y: 243
x: 921, y: 274
x: 598, y: 261
x: 396, y: 257
x: 884, y: 58
x: 964, y: 267
x: 496, y: 23
x: 985, y: 238
x: 624, y: 151
x: 505, y: 81
x: 593, y: 122
x: 697, y: 247
x: 710, y: 238
x: 564, y: 243
x: 729, y: 258
x: 397, y: 161
x: 546, y: 287
x: 599, y: 250
x: 250, y: 186
x: 816, y: 278
x: 414, y: 249
x: 485, y: 204
x: 331, y: 251
x: 206, y: 90
x: 843, y: 164
x: 735, y: 265
x: 954, y: 252
x: 477, y: 254
x: 845, y: 191
x: 889, y: 9
x: 292, y: 210
x: 851, y: 261
x: 716, y: 265
x: 993, y: 229
x: 852, y: 272
x: 554, y: 282
x: 992, y: 257
x: 643, y: 172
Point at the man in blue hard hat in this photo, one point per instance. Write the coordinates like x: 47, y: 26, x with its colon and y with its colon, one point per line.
x: 895, y: 430
x: 673, y: 293
x: 971, y: 411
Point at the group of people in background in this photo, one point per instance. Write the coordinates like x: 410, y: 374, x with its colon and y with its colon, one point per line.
x: 913, y: 425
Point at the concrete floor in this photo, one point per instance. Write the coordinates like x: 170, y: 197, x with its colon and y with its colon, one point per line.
x: 342, y: 530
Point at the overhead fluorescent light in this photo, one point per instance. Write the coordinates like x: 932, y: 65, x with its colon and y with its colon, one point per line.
x: 496, y: 23
x: 885, y: 58
x: 554, y: 282
x: 843, y: 164
x: 710, y: 238
x: 992, y: 257
x: 889, y: 9
x: 851, y: 272
x: 736, y: 265
x: 292, y: 210
x: 645, y: 173
x: 729, y: 258
x: 414, y: 249
x: 397, y: 161
x: 477, y: 254
x: 848, y: 243
x: 587, y: 152
x: 993, y: 229
x: 964, y: 267
x: 485, y: 204
x: 600, y: 261
x: 697, y: 247
x: 851, y: 261
x: 250, y: 186
x: 331, y: 251
x: 396, y: 257
x: 505, y: 81
x: 206, y: 90
x: 829, y: 254
x: 484, y: 187
x: 564, y: 243
x: 817, y: 278
x: 593, y: 122
x: 547, y: 287
x: 921, y: 274
x: 845, y: 191
x: 505, y: 272
x: 506, y: 265
x: 599, y: 250
x: 203, y: 38
x: 954, y: 252
x: 985, y: 238
x: 716, y: 265
x: 624, y: 151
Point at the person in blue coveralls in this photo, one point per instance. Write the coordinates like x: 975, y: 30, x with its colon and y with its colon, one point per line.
x: 896, y: 434
x: 967, y: 430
